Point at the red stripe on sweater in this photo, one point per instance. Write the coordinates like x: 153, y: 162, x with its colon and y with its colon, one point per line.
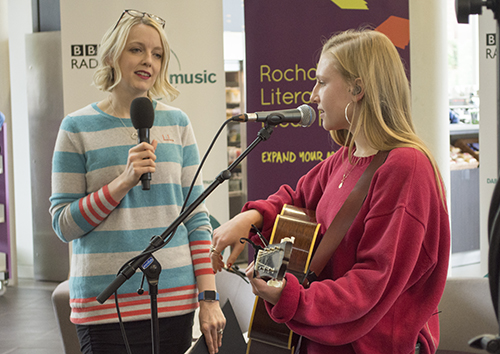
x: 128, y: 295
x: 144, y: 301
x: 200, y: 243
x: 203, y: 271
x: 107, y: 195
x: 84, y: 213
x: 91, y: 207
x: 133, y: 313
x: 201, y: 260
x: 100, y: 205
x: 200, y: 251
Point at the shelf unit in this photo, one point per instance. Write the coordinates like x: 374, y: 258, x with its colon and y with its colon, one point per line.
x: 464, y: 198
x: 236, y: 138
x: 236, y: 142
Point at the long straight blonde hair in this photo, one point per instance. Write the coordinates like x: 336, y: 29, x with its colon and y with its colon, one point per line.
x: 385, y: 109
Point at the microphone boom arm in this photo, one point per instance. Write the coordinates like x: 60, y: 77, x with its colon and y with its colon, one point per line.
x: 157, y: 242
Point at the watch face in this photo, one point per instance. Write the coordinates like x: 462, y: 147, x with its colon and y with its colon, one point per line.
x: 208, y: 295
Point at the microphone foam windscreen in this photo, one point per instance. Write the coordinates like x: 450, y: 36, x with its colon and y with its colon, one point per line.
x: 142, y: 113
x: 308, y: 115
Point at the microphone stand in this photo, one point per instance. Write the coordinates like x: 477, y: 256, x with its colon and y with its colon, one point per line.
x: 145, y: 260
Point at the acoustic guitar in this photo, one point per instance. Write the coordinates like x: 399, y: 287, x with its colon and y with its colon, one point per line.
x: 290, y: 250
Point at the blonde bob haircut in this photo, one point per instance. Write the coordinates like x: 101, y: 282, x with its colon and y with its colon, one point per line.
x: 368, y: 57
x: 108, y: 73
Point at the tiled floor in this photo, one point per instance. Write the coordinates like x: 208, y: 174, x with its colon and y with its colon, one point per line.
x: 28, y: 324
x: 471, y: 270
x: 27, y: 321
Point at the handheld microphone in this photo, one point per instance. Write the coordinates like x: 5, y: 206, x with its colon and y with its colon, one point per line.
x: 303, y: 115
x: 142, y: 115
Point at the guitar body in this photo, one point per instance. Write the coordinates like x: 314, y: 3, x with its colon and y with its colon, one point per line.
x: 265, y: 335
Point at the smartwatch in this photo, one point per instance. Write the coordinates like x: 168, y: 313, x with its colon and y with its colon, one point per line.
x: 208, y: 295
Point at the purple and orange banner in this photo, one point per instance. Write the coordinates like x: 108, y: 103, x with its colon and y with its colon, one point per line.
x: 283, y: 44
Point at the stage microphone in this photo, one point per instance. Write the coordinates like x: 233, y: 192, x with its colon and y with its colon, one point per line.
x: 142, y: 115
x: 303, y: 115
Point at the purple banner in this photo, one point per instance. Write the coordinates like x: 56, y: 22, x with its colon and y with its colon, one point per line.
x: 283, y: 44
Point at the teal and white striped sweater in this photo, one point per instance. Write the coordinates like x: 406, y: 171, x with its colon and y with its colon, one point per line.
x: 91, y: 151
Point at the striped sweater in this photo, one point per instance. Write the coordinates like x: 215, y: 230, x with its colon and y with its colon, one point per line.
x: 91, y: 151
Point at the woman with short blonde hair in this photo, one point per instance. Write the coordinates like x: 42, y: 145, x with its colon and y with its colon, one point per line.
x: 98, y: 204
x: 108, y: 74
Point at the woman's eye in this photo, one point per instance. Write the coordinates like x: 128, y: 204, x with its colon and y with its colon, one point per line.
x: 157, y: 55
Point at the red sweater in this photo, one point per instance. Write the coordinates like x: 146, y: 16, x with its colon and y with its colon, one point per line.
x: 380, y: 291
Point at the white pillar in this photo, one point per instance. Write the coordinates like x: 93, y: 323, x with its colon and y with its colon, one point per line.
x: 20, y: 24
x: 429, y: 79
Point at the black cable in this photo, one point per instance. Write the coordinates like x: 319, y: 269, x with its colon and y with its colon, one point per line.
x: 200, y: 166
x: 234, y: 269
x: 122, y: 328
x: 169, y: 238
x: 203, y: 161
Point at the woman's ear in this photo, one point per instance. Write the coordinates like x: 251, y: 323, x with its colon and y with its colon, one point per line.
x: 358, y: 90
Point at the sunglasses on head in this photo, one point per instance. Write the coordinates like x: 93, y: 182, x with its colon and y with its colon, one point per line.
x: 135, y: 13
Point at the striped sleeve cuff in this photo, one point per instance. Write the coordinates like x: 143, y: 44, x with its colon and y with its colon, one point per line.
x: 200, y: 253
x: 96, y: 206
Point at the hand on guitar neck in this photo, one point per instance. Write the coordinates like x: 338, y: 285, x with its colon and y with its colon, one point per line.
x: 260, y: 287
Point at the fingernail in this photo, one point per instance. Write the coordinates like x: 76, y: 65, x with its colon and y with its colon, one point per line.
x: 229, y: 265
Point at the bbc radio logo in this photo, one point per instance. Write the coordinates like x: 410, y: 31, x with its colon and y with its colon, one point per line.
x: 83, y: 56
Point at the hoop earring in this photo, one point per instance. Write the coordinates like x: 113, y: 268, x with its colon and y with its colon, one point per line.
x: 345, y: 113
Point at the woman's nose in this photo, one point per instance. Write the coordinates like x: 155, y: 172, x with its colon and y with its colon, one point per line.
x: 148, y: 59
x: 314, y: 95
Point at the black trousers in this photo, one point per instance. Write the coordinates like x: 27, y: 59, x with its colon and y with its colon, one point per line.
x: 176, y: 336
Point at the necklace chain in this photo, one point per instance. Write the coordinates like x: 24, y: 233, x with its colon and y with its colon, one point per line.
x: 133, y: 136
x: 346, y: 173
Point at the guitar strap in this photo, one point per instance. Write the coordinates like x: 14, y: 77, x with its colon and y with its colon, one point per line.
x: 343, y: 220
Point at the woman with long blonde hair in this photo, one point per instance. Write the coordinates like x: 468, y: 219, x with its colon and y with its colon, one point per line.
x: 380, y: 289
